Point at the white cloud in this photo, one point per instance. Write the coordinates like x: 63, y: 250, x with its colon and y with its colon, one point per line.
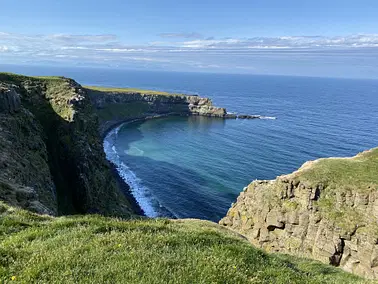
x: 82, y: 38
x: 293, y: 42
x: 181, y: 35
x: 186, y: 50
x: 3, y: 48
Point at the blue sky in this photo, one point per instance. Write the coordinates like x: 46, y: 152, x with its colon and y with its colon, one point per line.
x: 313, y: 38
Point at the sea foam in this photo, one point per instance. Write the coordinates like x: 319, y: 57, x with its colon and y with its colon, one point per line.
x: 141, y: 193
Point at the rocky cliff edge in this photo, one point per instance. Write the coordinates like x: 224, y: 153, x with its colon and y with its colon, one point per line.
x: 327, y: 210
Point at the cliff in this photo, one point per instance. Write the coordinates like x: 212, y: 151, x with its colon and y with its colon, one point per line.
x: 51, y: 158
x: 118, y: 105
x: 327, y: 210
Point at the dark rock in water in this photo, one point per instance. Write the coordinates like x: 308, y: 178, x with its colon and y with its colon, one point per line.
x: 247, y: 116
x: 230, y: 115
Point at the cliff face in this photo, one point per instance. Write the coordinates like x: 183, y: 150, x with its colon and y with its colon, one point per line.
x: 51, y: 158
x: 327, y: 210
x: 25, y: 178
x: 116, y: 107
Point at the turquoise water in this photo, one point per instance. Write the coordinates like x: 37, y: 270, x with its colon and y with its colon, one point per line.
x: 196, y: 167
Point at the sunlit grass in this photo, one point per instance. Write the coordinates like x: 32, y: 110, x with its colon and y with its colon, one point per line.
x: 131, y: 90
x: 95, y: 249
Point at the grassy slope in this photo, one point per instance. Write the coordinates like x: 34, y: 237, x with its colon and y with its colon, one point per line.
x: 88, y: 249
x: 131, y: 90
x: 359, y: 172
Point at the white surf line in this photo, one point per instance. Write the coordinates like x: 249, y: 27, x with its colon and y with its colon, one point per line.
x: 141, y: 193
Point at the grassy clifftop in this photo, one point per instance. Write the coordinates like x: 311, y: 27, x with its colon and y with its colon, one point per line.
x: 131, y: 91
x: 87, y: 249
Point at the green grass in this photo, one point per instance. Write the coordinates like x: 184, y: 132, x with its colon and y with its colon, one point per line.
x: 95, y: 249
x: 131, y: 90
x: 7, y: 76
x: 359, y: 173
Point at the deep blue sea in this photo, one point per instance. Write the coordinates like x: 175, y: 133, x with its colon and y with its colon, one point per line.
x: 195, y: 167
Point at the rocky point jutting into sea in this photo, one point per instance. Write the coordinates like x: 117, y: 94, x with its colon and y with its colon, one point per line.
x: 115, y: 106
x: 52, y: 162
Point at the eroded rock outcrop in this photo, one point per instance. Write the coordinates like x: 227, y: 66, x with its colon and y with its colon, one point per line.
x: 327, y: 210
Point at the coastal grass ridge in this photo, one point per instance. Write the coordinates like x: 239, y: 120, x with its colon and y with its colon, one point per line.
x: 83, y: 249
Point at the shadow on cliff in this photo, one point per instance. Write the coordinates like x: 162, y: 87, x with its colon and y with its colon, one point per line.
x: 72, y: 164
x: 70, y: 196
x: 180, y: 192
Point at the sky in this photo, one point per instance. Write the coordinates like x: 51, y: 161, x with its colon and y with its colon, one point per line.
x: 330, y: 38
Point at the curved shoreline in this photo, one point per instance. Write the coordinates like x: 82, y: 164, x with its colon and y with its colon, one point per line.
x: 126, y: 190
x: 135, y: 119
x: 122, y: 184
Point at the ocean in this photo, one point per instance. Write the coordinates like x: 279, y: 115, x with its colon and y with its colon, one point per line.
x: 195, y: 167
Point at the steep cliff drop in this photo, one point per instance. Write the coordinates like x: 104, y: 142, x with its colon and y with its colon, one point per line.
x: 327, y: 210
x: 51, y: 158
